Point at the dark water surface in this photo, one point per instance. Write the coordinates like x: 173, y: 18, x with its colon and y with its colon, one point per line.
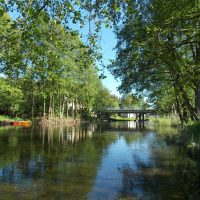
x: 104, y: 162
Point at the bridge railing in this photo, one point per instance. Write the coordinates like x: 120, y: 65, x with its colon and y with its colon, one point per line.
x: 129, y: 111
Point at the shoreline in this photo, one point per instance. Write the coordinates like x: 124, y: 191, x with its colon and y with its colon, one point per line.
x: 56, y: 121
x: 38, y: 121
x: 52, y: 121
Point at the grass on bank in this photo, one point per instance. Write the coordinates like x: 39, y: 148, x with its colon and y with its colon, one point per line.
x: 173, y: 121
x: 118, y: 118
x: 5, y: 118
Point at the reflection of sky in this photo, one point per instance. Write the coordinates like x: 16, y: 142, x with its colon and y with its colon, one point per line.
x: 120, y: 156
x: 18, y: 175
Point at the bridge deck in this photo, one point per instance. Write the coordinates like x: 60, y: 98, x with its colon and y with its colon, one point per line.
x: 130, y: 111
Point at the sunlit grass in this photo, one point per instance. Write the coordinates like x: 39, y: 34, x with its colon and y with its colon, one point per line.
x: 166, y: 121
x: 5, y: 118
x: 118, y: 118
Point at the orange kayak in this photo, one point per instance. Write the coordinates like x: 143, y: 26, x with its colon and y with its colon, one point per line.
x: 21, y: 123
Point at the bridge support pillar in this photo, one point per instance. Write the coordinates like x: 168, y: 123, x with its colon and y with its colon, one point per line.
x: 140, y: 116
x: 143, y: 116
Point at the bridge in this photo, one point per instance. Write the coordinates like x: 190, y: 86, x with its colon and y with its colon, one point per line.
x: 138, y: 114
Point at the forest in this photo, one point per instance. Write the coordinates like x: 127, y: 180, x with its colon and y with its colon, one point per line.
x: 48, y: 70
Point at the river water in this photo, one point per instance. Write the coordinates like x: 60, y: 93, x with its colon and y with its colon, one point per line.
x: 111, y: 161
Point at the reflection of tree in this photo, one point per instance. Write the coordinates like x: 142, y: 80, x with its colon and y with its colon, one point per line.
x: 187, y: 161
x: 130, y: 137
x: 127, y: 125
x: 170, y: 175
x: 51, y: 162
x: 65, y: 135
x: 162, y: 129
x: 59, y: 162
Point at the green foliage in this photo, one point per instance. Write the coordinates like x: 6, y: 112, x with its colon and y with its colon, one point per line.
x: 47, y: 69
x: 194, y: 128
x: 173, y: 122
x: 10, y: 98
x: 131, y: 101
x: 8, y: 118
x: 104, y: 100
x: 158, y: 55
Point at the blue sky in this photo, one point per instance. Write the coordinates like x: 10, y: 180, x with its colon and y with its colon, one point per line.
x: 108, y: 42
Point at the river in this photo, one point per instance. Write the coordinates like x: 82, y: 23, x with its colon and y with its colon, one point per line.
x: 110, y: 161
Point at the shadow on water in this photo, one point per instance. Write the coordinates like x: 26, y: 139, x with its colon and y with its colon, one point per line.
x: 118, y: 160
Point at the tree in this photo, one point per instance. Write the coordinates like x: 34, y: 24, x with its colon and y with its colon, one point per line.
x: 158, y: 44
x: 53, y: 70
x: 130, y: 101
x: 105, y: 100
x: 10, y: 99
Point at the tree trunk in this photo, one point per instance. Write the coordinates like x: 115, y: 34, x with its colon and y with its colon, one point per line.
x: 63, y: 106
x: 197, y: 99
x: 196, y: 57
x: 53, y: 106
x: 75, y: 108
x: 60, y: 107
x: 178, y: 102
x: 178, y: 109
x: 44, y: 105
x: 187, y: 103
x: 49, y: 110
x: 33, y: 105
x: 197, y: 84
x: 67, y: 110
x: 72, y: 108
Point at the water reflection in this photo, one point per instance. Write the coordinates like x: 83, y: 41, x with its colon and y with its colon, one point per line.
x: 111, y: 161
x: 65, y: 134
x: 123, y: 126
x: 48, y: 163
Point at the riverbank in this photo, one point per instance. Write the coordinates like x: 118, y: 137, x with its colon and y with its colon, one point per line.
x: 166, y: 121
x: 176, y: 122
x: 5, y: 118
x: 14, y: 121
x: 41, y: 121
x: 48, y: 121
x: 51, y: 121
x: 119, y: 118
